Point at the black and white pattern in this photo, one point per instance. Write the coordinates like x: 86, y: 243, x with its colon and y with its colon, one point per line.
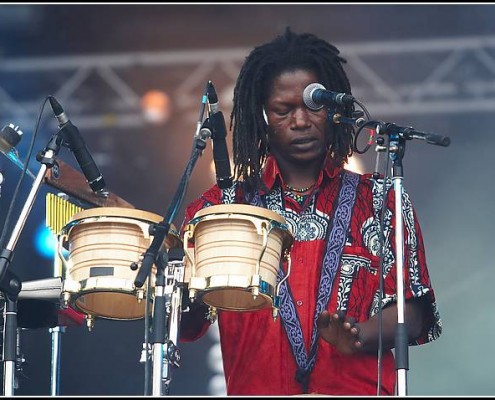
x: 371, y: 230
x: 229, y: 194
x: 349, y: 267
x: 311, y: 224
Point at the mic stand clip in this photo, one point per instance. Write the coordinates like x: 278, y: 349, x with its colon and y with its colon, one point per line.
x: 204, y: 133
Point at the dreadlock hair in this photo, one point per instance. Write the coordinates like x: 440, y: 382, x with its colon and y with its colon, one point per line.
x: 287, y: 52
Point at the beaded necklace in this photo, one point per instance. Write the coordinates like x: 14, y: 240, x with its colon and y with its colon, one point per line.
x: 297, y: 193
x: 301, y: 190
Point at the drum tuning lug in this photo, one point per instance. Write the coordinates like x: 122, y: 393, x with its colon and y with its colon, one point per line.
x: 90, y: 322
x: 140, y: 295
x: 192, y: 295
x: 274, y: 314
x: 65, y: 299
x: 212, y: 315
x: 255, y: 291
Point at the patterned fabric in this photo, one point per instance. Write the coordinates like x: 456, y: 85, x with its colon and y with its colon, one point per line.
x: 335, y: 243
x: 257, y: 354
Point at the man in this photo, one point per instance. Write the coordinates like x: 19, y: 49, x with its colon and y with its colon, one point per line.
x: 289, y: 158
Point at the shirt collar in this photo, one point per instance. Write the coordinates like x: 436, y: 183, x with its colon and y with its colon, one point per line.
x: 271, y: 172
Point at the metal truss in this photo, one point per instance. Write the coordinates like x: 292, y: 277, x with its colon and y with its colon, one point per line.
x: 390, y: 77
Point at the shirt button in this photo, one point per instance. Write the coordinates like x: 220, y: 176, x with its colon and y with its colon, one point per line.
x: 299, y: 302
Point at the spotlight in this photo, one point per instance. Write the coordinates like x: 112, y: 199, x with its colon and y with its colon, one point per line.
x: 156, y: 106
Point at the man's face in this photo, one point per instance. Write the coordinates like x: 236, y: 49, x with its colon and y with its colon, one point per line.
x: 296, y: 134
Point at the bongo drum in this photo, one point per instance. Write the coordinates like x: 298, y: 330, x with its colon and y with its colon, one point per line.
x: 105, y: 245
x: 236, y: 253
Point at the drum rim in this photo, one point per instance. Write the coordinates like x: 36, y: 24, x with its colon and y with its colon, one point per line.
x: 125, y: 213
x: 116, y: 212
x: 247, y: 209
x: 278, y: 221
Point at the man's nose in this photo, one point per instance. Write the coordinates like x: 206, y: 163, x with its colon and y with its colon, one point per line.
x: 300, y: 117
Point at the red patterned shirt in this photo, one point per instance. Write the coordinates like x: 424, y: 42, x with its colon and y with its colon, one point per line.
x: 258, y: 355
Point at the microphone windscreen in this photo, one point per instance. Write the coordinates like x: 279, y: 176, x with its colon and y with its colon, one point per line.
x: 308, y: 98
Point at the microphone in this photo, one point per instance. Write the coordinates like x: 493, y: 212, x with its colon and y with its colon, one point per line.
x: 355, y: 122
x: 410, y: 133
x: 10, y: 136
x: 77, y: 145
x: 218, y: 134
x: 315, y: 97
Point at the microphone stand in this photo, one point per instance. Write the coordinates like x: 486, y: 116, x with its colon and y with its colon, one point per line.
x: 397, y: 146
x: 397, y: 150
x: 159, y: 232
x: 158, y: 327
x: 9, y: 283
x: 56, y: 336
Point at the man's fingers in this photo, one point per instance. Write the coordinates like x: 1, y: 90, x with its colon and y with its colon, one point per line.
x: 338, y: 316
x: 349, y: 323
x: 323, y: 319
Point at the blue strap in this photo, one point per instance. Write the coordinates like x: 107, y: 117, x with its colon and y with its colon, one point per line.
x: 333, y: 252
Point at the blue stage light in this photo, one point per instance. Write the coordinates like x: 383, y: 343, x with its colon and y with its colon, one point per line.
x: 45, y: 241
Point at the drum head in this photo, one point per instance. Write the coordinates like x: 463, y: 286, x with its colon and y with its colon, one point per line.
x: 235, y: 299
x: 110, y: 305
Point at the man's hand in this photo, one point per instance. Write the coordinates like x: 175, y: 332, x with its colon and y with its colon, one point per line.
x: 340, y: 331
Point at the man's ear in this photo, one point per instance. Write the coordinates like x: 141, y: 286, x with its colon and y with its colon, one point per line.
x: 265, y: 117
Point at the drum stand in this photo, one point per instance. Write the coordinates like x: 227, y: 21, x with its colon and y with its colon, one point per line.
x: 166, y: 315
x: 9, y: 283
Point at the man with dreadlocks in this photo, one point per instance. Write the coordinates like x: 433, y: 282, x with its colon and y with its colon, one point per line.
x: 336, y: 320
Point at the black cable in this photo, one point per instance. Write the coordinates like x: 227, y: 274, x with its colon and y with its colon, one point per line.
x: 356, y: 136
x: 26, y: 163
x: 363, y: 108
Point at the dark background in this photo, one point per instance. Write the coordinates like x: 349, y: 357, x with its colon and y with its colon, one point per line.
x: 431, y: 67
